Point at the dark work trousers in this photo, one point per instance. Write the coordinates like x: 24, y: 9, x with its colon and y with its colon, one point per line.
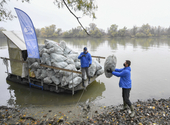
x: 126, y: 95
x: 84, y: 71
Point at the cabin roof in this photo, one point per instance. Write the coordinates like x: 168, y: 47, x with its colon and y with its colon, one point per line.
x: 17, y: 38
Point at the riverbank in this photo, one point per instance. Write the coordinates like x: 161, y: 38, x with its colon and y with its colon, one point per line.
x: 151, y: 112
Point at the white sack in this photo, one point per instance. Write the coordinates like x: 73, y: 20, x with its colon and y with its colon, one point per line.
x: 45, y: 59
x: 40, y: 47
x: 62, y: 44
x: 31, y: 61
x: 70, y: 67
x: 70, y: 61
x: 49, y: 43
x: 98, y: 66
x: 73, y: 52
x: 47, y: 80
x: 63, y: 84
x: 99, y: 72
x: 44, y: 50
x: 73, y: 56
x: 35, y: 65
x: 92, y: 70
x: 50, y: 73
x: 110, y: 63
x: 52, y: 44
x: 37, y: 73
x: 57, y: 58
x: 59, y: 64
x: 43, y: 74
x: 55, y: 50
x: 67, y: 50
x: 33, y: 69
x: 77, y: 65
x: 69, y: 78
x: 55, y: 80
x: 76, y: 81
x: 58, y: 75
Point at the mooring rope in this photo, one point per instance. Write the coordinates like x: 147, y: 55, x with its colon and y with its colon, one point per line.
x: 79, y: 99
x: 80, y: 96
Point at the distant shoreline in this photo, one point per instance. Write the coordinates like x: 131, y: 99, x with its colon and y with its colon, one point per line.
x: 104, y: 37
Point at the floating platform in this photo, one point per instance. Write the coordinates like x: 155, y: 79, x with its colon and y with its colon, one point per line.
x: 36, y: 83
x: 20, y: 72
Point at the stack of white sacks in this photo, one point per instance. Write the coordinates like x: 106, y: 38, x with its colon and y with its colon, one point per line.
x: 59, y: 55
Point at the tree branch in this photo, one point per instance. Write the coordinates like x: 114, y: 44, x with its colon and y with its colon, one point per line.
x: 75, y: 17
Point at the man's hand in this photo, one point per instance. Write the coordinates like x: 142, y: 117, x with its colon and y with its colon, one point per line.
x: 109, y: 70
x: 83, y: 55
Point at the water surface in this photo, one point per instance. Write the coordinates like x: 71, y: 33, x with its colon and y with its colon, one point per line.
x: 150, y: 74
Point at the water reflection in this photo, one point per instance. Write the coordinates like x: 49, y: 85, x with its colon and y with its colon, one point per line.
x: 25, y: 95
x: 145, y: 43
x: 80, y: 42
x: 113, y: 43
x: 11, y: 101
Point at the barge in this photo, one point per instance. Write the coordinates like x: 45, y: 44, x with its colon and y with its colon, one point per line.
x: 20, y: 73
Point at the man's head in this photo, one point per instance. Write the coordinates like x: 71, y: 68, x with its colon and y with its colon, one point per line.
x: 127, y: 63
x: 85, y: 49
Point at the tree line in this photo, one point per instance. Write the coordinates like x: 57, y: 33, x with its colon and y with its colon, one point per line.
x: 144, y: 31
x: 138, y: 32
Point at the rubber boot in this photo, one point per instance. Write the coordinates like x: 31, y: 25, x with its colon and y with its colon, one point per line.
x: 83, y: 83
x: 125, y: 106
x: 132, y: 111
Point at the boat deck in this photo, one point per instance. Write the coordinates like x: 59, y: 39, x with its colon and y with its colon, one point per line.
x: 36, y: 83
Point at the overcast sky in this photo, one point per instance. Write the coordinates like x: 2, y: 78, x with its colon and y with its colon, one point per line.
x: 121, y: 12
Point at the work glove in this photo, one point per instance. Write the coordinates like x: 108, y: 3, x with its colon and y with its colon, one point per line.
x: 89, y: 65
x: 109, y: 70
x: 83, y: 55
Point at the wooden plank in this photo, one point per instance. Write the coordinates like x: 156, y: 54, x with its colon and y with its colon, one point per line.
x: 44, y: 65
x: 98, y: 57
x: 60, y: 68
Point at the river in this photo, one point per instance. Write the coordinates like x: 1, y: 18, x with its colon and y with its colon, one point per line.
x: 150, y: 64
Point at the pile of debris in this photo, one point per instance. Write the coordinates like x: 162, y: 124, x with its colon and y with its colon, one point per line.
x: 59, y: 55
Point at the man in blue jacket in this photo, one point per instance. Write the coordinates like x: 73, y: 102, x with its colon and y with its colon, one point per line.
x: 125, y: 84
x: 86, y: 61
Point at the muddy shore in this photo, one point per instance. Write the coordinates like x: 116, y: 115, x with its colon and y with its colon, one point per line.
x: 150, y: 112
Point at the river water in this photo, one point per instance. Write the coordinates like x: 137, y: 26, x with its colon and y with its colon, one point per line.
x: 150, y: 64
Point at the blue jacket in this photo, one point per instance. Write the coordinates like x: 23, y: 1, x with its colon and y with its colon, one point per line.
x: 125, y: 77
x: 85, y: 60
